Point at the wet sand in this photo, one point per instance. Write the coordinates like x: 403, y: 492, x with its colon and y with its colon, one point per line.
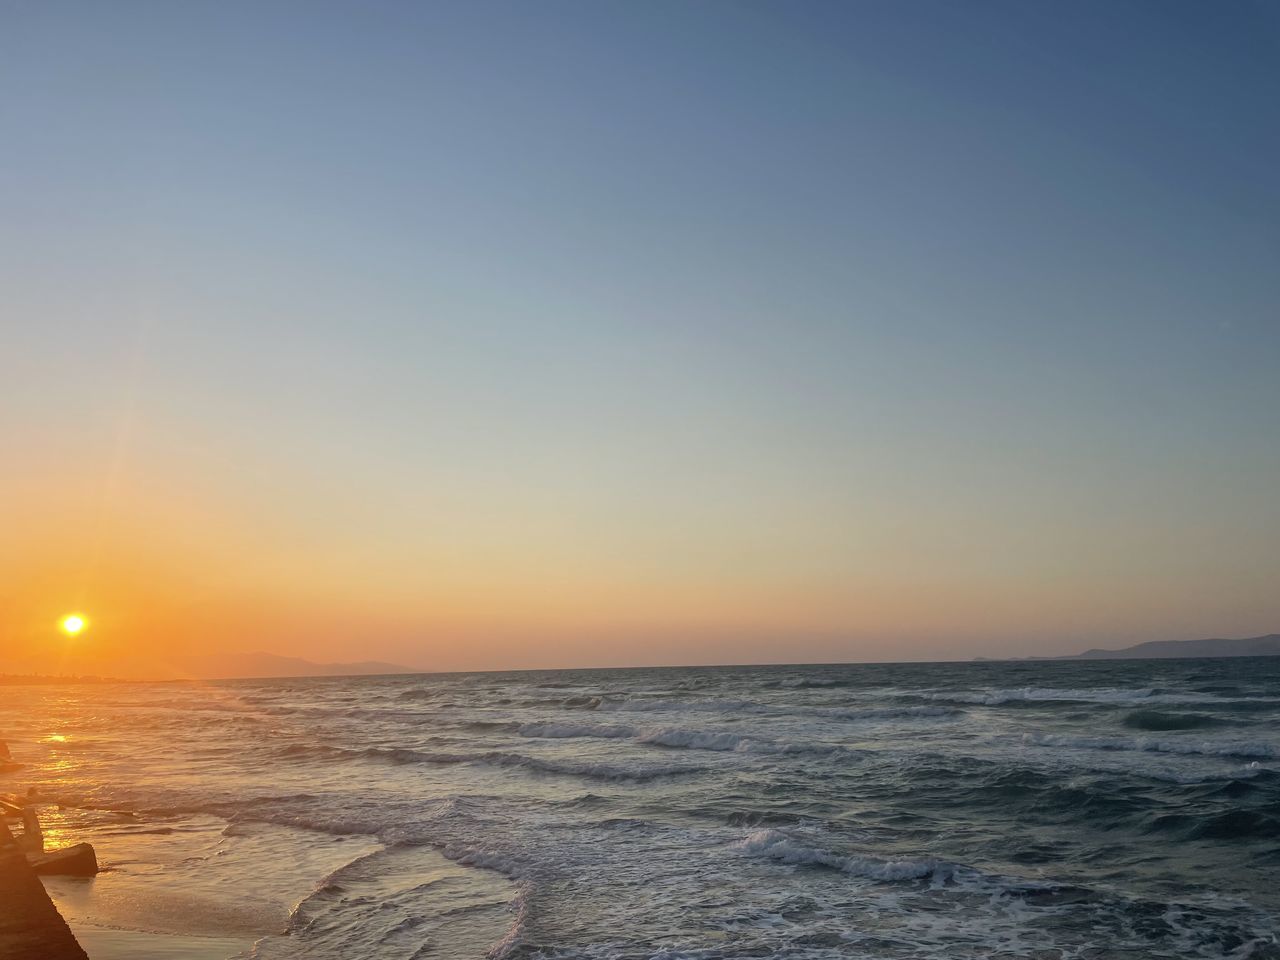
x: 186, y: 888
x: 102, y: 943
x: 114, y: 920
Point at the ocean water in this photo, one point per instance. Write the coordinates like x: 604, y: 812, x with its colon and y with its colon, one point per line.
x: 1034, y: 810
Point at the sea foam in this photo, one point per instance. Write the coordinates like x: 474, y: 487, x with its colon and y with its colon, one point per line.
x: 776, y: 845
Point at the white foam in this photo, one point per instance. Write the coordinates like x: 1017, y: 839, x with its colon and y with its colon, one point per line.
x: 676, y: 737
x: 776, y: 845
x: 599, y: 771
x: 735, y: 708
x: 695, y: 739
x: 486, y: 859
x: 996, y: 697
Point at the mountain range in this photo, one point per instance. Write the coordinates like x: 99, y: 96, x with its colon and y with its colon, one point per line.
x: 1267, y: 646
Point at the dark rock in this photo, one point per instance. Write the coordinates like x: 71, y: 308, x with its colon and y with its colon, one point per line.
x: 30, y: 926
x: 75, y: 861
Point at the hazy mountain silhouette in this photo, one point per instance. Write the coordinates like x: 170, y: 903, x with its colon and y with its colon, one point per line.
x: 1268, y: 646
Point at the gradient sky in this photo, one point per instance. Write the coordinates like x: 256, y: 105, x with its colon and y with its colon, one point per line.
x: 538, y: 334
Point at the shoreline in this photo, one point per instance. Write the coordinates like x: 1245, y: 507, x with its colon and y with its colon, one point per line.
x: 107, y: 932
x: 110, y: 943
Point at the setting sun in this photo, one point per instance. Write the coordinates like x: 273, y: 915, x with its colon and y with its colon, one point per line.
x: 73, y: 624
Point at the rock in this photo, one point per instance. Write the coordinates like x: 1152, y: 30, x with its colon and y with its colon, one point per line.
x: 74, y: 861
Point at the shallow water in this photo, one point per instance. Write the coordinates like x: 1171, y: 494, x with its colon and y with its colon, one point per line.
x: 1032, y: 809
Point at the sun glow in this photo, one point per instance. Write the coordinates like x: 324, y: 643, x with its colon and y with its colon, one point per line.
x: 73, y: 624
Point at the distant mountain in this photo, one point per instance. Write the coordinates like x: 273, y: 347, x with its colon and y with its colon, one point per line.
x: 228, y: 665
x: 1268, y: 646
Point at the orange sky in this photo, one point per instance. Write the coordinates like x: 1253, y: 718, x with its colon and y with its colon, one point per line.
x: 165, y: 561
x: 715, y: 335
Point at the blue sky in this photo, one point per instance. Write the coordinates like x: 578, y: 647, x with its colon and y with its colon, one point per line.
x: 734, y: 319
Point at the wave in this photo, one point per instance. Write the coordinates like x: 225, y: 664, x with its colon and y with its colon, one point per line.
x: 578, y: 702
x: 736, y: 742
x: 484, y: 859
x: 881, y: 713
x: 400, y: 756
x: 392, y: 755
x: 704, y: 705
x: 1143, y: 697
x: 646, y: 705
x: 755, y: 708
x: 1209, y: 748
x: 760, y: 818
x: 417, y: 693
x: 594, y: 771
x: 1235, y: 775
x: 1156, y: 720
x: 677, y: 738
x: 1241, y: 704
x: 483, y: 726
x: 1230, y: 825
x: 698, y: 739
x: 992, y: 698
x: 590, y: 770
x: 512, y: 869
x: 565, y: 731
x: 404, y: 755
x: 776, y: 845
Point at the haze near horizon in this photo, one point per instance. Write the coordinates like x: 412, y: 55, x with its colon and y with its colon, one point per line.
x: 495, y: 335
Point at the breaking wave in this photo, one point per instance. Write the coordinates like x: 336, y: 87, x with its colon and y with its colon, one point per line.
x: 675, y: 737
x: 399, y: 756
x: 993, y: 698
x: 733, y: 708
x: 776, y: 845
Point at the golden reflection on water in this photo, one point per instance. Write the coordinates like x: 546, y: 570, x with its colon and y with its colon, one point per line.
x: 56, y: 837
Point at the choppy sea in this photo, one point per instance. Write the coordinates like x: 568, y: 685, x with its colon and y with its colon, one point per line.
x: 1043, y: 810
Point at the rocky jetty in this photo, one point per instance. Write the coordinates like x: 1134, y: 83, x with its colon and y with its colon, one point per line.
x: 30, y: 926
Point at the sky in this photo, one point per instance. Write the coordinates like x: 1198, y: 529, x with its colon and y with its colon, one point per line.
x: 487, y: 335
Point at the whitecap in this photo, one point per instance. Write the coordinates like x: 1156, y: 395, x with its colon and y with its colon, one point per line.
x: 776, y: 845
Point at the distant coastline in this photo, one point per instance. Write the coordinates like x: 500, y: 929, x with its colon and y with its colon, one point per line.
x: 265, y: 666
x: 1264, y: 646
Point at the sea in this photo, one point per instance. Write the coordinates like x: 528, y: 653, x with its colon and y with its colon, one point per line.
x: 1034, y: 809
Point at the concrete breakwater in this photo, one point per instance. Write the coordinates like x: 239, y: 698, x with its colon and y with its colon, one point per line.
x: 30, y: 926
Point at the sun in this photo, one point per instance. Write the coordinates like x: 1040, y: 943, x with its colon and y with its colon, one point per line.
x: 72, y: 624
